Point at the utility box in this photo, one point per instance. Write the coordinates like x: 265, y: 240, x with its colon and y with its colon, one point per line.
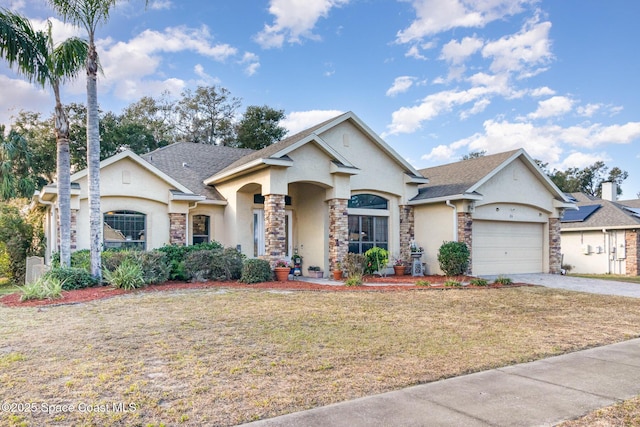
x: 586, y: 249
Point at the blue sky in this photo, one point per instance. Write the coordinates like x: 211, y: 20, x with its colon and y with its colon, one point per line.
x: 435, y: 78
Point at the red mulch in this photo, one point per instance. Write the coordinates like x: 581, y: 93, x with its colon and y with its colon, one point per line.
x: 376, y: 284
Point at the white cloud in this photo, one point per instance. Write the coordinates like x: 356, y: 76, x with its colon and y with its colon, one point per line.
x: 294, y: 20
x: 542, y: 91
x: 456, y: 52
x: 589, y: 109
x: 32, y: 98
x: 552, y: 107
x: 524, y: 53
x: 581, y: 160
x: 435, y: 16
x: 206, y: 79
x: 59, y: 30
x: 252, y: 62
x: 301, y: 120
x: 400, y: 85
x: 440, y: 153
x: 478, y: 107
x: 161, y: 4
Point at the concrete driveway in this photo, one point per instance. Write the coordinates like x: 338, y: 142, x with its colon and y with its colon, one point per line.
x: 595, y: 286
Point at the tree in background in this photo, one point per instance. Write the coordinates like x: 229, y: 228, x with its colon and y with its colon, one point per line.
x: 474, y: 155
x: 18, y: 239
x: 206, y: 115
x: 588, y: 180
x: 155, y: 115
x: 259, y: 127
x: 16, y: 175
x: 35, y: 55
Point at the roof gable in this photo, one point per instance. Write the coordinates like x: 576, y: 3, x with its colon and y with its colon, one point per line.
x: 462, y: 179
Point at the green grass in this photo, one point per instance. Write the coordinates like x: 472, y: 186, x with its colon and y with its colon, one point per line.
x: 616, y: 277
x: 6, y: 287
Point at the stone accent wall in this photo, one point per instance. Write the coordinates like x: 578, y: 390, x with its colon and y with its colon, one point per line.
x: 275, y: 238
x: 177, y: 229
x: 407, y: 231
x: 555, y: 252
x: 338, y: 231
x: 465, y: 229
x: 74, y: 229
x: 632, y: 242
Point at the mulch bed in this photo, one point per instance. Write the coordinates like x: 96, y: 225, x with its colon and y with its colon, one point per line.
x: 372, y: 284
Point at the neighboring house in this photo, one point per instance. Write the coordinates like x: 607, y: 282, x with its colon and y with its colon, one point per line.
x: 603, y: 235
x: 333, y: 188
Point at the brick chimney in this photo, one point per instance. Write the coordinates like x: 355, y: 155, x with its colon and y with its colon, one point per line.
x: 609, y: 191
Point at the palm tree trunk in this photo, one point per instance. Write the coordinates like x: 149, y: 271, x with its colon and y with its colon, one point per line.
x: 64, y: 179
x: 93, y: 160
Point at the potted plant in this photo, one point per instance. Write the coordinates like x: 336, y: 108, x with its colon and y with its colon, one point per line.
x: 337, y: 271
x: 398, y: 267
x: 315, y: 271
x: 282, y: 270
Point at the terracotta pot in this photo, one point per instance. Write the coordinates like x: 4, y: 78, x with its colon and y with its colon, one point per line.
x: 337, y: 274
x: 282, y: 273
x: 398, y: 270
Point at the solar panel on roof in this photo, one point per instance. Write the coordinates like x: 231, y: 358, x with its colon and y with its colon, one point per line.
x: 634, y: 211
x: 581, y: 214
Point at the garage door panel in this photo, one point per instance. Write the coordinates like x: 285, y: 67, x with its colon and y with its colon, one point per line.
x: 507, y: 247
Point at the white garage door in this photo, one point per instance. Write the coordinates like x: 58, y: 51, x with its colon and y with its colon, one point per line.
x: 507, y: 247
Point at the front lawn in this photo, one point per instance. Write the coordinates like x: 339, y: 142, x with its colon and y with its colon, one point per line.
x: 228, y: 356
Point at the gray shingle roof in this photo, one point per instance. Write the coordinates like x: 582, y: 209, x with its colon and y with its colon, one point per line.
x: 191, y: 163
x: 610, y: 214
x: 276, y: 147
x: 456, y: 178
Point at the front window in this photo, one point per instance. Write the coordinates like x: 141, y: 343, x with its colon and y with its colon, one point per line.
x: 366, y: 228
x: 124, y: 229
x: 200, y: 229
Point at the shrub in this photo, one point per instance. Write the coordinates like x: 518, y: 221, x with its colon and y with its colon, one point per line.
x: 79, y: 259
x: 256, y: 271
x: 176, y: 254
x: 354, y: 264
x: 216, y: 264
x: 452, y: 283
x: 501, y: 280
x: 479, y: 282
x: 376, y: 260
x: 72, y: 277
x: 43, y: 288
x: 154, y: 266
x: 16, y: 241
x: 128, y: 275
x: 453, y: 258
x: 422, y: 282
x: 354, y: 280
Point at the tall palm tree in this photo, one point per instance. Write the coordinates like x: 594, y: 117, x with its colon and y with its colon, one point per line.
x: 89, y: 14
x: 35, y: 55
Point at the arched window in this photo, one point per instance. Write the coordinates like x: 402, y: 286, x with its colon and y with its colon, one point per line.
x: 200, y: 229
x: 368, y: 229
x: 124, y: 229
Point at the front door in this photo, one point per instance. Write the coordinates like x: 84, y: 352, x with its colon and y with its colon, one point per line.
x: 259, y: 234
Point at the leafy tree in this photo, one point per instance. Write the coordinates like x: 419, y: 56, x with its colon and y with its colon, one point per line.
x: 207, y: 115
x: 474, y: 155
x: 117, y: 135
x: 588, y: 180
x: 37, y: 57
x: 156, y: 116
x: 89, y: 14
x: 18, y: 238
x: 259, y: 127
x: 41, y: 141
x: 16, y: 174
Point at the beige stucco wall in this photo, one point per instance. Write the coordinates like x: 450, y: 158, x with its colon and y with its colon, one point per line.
x: 310, y: 225
x: 601, y: 257
x: 434, y: 224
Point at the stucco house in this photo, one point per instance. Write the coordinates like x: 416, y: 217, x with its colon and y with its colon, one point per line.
x: 333, y: 188
x: 603, y: 235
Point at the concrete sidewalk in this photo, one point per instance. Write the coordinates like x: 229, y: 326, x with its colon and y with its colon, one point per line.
x: 540, y: 393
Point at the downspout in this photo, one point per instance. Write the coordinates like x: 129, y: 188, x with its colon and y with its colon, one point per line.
x: 455, y: 220
x: 607, y: 245
x: 52, y: 228
x: 186, y: 224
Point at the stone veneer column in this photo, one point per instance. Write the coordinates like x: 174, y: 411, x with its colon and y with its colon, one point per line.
x: 465, y: 229
x: 74, y: 229
x: 338, y: 230
x: 407, y: 231
x: 632, y: 242
x: 275, y: 238
x: 555, y: 251
x: 177, y: 229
